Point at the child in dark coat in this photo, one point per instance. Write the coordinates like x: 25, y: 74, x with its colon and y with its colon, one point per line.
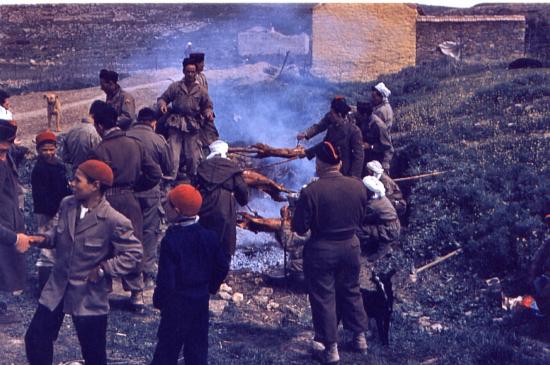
x: 192, y: 265
x: 49, y: 186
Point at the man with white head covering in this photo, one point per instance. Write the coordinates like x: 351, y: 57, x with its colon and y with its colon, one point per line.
x: 5, y: 112
x: 381, y: 227
x: 382, y: 108
x: 221, y: 185
x: 393, y: 193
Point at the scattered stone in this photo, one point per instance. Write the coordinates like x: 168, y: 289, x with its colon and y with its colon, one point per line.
x: 226, y: 288
x: 437, y: 327
x: 266, y: 292
x: 224, y: 295
x: 261, y: 299
x: 272, y: 305
x: 217, y: 307
x: 238, y: 298
x: 424, y: 321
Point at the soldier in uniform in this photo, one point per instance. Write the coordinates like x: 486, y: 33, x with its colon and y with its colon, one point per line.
x: 221, y: 184
x: 80, y: 141
x: 382, y: 108
x: 342, y: 134
x: 191, y: 110
x: 120, y: 100
x: 134, y: 171
x: 376, y: 136
x: 208, y: 133
x: 393, y: 192
x: 332, y: 208
x: 381, y: 227
x: 157, y: 148
x: 198, y: 58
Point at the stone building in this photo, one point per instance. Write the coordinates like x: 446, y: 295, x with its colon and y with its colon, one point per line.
x: 480, y: 37
x: 358, y: 42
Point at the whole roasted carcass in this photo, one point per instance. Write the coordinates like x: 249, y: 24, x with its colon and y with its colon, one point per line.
x: 265, y: 184
x: 261, y: 150
x: 256, y: 223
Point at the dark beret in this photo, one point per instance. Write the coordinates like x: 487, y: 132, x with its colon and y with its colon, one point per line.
x: 108, y: 75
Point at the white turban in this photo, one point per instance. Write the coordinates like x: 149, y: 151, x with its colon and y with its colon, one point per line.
x: 374, y: 185
x: 375, y: 167
x: 382, y: 89
x: 218, y: 148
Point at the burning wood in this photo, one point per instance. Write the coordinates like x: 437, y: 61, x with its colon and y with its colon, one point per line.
x: 261, y: 150
x: 265, y: 184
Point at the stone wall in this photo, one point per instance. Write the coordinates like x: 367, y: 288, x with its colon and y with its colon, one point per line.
x: 482, y: 38
x: 359, y: 42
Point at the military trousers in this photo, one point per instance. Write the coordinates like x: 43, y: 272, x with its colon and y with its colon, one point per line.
x: 126, y: 203
x: 331, y: 271
x: 186, y: 152
x: 150, y: 209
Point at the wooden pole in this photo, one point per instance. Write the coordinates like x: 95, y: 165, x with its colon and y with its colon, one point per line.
x: 419, y: 176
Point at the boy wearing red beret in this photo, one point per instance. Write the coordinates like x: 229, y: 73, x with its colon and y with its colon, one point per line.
x: 94, y: 243
x: 49, y: 186
x: 192, y: 265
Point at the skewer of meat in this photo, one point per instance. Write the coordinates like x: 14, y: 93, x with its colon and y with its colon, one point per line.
x: 262, y: 150
x: 265, y: 184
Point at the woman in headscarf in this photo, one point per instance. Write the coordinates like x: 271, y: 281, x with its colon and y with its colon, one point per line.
x: 382, y: 108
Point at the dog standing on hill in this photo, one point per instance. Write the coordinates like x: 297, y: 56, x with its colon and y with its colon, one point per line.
x: 54, y: 110
x: 379, y: 303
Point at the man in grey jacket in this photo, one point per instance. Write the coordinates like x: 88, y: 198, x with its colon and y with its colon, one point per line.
x: 94, y: 243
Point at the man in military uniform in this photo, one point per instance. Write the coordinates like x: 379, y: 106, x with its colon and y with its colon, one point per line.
x: 157, y: 148
x: 376, y: 136
x: 134, y: 171
x: 381, y: 227
x: 120, y: 100
x: 342, y: 134
x: 198, y: 58
x: 332, y: 208
x: 380, y: 100
x: 191, y: 110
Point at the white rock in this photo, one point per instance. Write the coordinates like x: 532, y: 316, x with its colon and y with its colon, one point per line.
x: 224, y: 295
x: 272, y: 305
x: 267, y: 292
x: 217, y: 307
x: 226, y: 288
x: 238, y: 298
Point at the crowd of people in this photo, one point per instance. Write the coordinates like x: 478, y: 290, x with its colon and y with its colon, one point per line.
x: 98, y: 215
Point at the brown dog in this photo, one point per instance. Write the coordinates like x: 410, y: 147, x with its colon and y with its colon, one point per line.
x: 54, y: 110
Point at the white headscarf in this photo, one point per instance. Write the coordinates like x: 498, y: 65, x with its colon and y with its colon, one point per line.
x: 375, y: 167
x: 382, y: 89
x: 5, y: 114
x: 374, y: 185
x: 218, y: 148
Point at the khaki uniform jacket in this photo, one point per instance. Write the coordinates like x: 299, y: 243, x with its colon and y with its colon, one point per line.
x: 190, y: 103
x: 125, y: 107
x: 384, y: 112
x: 377, y: 135
x: 79, y: 142
x: 346, y: 137
x: 201, y: 79
x: 394, y: 194
x: 103, y: 236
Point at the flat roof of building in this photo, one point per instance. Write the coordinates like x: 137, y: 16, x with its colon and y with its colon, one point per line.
x: 469, y: 18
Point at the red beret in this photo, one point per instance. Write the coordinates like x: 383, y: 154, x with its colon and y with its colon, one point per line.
x: 97, y: 170
x: 45, y: 137
x: 186, y: 198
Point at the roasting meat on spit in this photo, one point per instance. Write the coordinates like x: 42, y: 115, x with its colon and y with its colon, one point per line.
x: 256, y: 223
x: 265, y: 184
x: 262, y: 150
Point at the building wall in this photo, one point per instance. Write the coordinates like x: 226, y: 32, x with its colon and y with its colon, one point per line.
x: 483, y: 38
x: 359, y: 42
